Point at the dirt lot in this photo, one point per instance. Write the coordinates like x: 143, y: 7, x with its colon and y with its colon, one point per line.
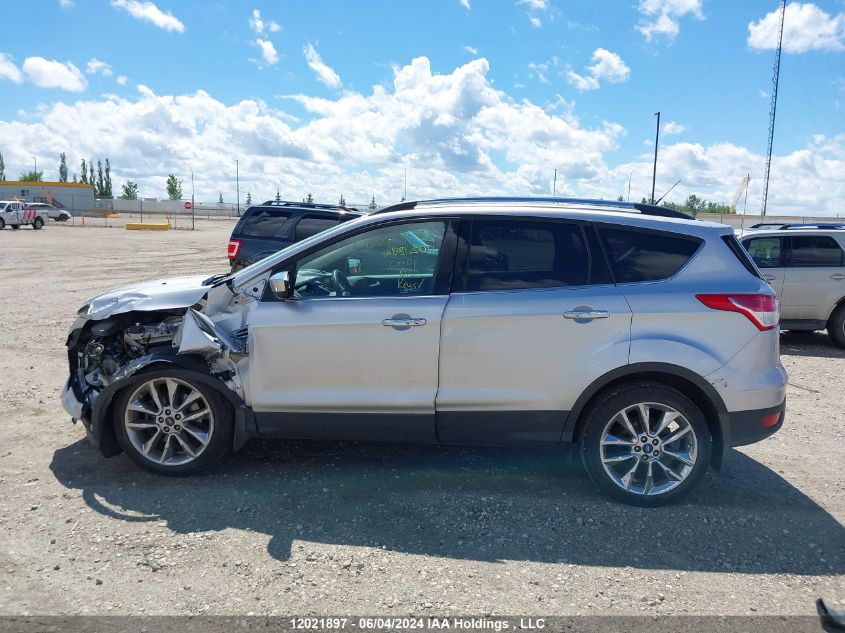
x: 349, y: 529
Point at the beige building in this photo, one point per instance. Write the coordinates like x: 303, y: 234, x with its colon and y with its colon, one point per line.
x: 76, y: 197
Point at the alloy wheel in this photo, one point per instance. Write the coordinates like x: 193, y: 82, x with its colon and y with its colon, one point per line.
x: 168, y: 421
x: 648, y: 448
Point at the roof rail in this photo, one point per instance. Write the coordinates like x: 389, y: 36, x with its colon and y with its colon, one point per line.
x: 644, y: 209
x: 813, y: 225
x: 306, y: 205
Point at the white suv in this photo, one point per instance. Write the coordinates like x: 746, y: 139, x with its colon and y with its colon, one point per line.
x: 641, y: 337
x: 806, y: 267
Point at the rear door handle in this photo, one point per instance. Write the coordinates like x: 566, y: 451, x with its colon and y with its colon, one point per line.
x: 837, y: 277
x: 403, y: 322
x: 769, y: 278
x: 586, y: 315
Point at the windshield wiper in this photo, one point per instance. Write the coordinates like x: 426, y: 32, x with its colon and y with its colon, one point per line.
x: 216, y: 280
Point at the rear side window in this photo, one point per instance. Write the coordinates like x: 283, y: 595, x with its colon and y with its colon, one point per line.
x: 312, y: 224
x: 519, y: 254
x: 637, y: 255
x: 263, y: 222
x: 809, y: 251
x: 767, y: 252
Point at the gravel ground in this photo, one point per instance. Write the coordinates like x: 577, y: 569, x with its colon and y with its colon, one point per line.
x: 299, y: 528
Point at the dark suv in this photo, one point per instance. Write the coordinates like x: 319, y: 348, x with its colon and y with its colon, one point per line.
x: 273, y: 225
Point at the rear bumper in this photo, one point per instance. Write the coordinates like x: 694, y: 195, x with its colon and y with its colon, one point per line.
x: 748, y: 427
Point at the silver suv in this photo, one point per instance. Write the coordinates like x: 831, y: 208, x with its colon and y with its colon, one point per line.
x: 805, y: 265
x: 642, y: 338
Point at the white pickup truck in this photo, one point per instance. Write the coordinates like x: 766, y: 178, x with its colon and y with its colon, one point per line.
x: 15, y: 213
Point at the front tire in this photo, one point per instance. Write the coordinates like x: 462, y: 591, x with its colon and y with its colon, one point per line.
x: 645, y: 444
x: 2, y: 224
x: 38, y: 224
x: 15, y: 227
x: 172, y: 426
x: 836, y: 326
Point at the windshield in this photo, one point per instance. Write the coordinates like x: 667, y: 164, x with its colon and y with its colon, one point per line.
x: 269, y: 261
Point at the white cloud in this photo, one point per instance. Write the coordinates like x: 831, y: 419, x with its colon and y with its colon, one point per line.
x: 274, y: 27
x: 324, y: 73
x: 465, y: 4
x: 454, y: 132
x: 8, y: 69
x: 535, y: 21
x: 806, y: 27
x: 96, y: 66
x: 66, y: 4
x: 49, y: 73
x: 608, y: 67
x: 255, y: 22
x: 661, y: 17
x: 672, y: 127
x: 122, y: 80
x: 470, y: 49
x: 268, y: 51
x: 149, y: 12
x: 539, y: 5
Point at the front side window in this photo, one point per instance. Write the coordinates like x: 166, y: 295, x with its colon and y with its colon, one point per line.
x: 392, y: 261
x: 767, y: 252
x: 310, y: 225
x: 808, y: 251
x: 264, y: 222
x: 643, y: 255
x: 523, y: 254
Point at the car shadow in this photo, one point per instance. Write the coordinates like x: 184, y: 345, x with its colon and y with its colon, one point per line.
x: 815, y: 344
x: 477, y: 504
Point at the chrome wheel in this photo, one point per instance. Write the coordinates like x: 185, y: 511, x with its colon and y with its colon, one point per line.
x: 168, y: 421
x: 648, y: 448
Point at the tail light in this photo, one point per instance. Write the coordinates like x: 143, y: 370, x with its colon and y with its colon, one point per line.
x: 761, y: 309
x: 233, y: 249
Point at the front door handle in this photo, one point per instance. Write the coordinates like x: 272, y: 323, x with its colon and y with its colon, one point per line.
x: 837, y: 277
x: 769, y: 278
x: 403, y: 322
x: 586, y: 315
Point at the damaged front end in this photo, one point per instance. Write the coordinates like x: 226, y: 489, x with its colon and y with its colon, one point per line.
x: 141, y: 328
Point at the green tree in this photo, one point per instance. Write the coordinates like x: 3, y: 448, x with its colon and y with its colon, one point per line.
x: 62, y: 167
x: 2, y: 168
x: 248, y: 198
x: 174, y: 188
x: 278, y: 196
x: 220, y: 198
x: 130, y: 190
x: 107, y: 182
x: 309, y: 198
x: 372, y: 206
x: 91, y: 179
x: 84, y: 178
x: 620, y: 199
x: 101, y: 185
x: 342, y: 201
x: 32, y: 176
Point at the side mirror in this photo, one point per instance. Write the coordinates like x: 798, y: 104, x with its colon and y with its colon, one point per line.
x: 354, y: 266
x: 280, y: 285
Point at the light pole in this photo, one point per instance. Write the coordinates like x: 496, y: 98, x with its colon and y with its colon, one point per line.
x: 629, y: 184
x: 238, y: 186
x: 654, y: 172
x: 36, y: 164
x: 192, y: 198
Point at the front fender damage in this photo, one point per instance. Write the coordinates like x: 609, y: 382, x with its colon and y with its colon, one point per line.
x: 208, y: 340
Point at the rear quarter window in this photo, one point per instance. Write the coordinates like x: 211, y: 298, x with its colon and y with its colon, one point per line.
x: 644, y: 255
x: 767, y: 252
x: 263, y: 222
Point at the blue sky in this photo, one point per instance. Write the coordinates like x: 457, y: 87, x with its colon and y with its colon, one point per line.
x: 287, y: 86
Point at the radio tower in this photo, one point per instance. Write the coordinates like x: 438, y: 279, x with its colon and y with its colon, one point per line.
x: 773, y: 108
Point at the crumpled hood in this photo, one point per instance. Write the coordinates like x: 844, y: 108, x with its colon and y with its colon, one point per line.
x: 159, y: 294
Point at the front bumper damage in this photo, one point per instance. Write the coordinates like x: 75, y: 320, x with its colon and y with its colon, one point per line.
x: 116, y: 339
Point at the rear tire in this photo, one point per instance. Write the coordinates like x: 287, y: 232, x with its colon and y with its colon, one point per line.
x: 2, y: 224
x: 15, y: 227
x: 651, y: 463
x: 836, y: 326
x: 172, y: 426
x: 38, y: 224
